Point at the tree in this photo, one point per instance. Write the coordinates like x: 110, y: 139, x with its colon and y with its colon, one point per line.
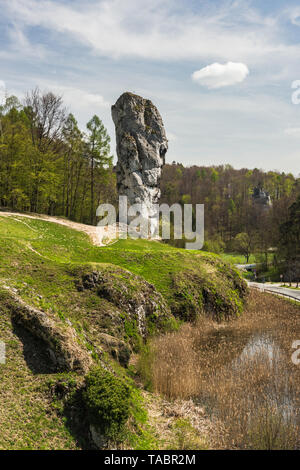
x: 47, y: 164
x: 74, y: 162
x: 227, y: 196
x: 46, y: 117
x: 244, y: 244
x: 100, y: 160
x: 15, y: 148
x: 289, y: 247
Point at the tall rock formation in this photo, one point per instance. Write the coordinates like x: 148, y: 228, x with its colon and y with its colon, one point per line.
x: 141, y: 147
x: 261, y: 197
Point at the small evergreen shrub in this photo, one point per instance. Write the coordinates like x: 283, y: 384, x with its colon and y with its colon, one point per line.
x: 107, y: 400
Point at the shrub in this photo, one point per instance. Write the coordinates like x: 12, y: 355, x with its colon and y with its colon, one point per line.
x: 186, y: 437
x: 270, y: 429
x: 107, y: 400
x: 214, y: 246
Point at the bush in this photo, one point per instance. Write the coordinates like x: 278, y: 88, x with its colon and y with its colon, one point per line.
x: 271, y: 430
x: 107, y: 400
x: 214, y: 246
x: 186, y: 437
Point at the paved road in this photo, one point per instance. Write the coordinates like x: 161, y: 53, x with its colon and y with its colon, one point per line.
x: 295, y: 294
x: 246, y: 267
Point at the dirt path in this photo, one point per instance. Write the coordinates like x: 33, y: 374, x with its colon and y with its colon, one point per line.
x: 90, y: 230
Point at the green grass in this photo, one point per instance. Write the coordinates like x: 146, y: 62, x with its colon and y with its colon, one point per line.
x: 27, y: 415
x: 236, y: 258
x: 57, y: 247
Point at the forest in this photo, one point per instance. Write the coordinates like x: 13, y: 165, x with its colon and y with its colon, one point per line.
x: 47, y: 165
x: 227, y: 194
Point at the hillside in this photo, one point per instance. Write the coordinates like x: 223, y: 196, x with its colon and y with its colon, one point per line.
x: 68, y: 306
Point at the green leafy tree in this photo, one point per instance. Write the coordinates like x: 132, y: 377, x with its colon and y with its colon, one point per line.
x: 244, y: 244
x: 47, y: 164
x: 73, y: 166
x: 100, y: 160
x: 290, y: 242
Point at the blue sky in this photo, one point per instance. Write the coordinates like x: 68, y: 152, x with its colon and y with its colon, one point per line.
x: 220, y: 72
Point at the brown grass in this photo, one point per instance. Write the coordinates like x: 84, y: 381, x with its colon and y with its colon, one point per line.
x: 241, y: 372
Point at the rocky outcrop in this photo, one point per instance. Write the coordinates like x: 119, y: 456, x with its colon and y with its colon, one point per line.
x: 261, y: 197
x: 61, y: 341
x: 117, y: 348
x: 141, y: 147
x: 142, y: 307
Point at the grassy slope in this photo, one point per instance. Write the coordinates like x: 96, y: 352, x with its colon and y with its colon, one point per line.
x: 38, y: 253
x: 29, y: 419
x: 41, y: 259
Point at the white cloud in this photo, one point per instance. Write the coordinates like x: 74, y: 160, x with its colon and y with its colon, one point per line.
x: 83, y: 98
x: 2, y: 92
x: 294, y: 15
x: 76, y: 98
x: 21, y: 44
x: 219, y: 75
x: 292, y: 131
x: 155, y: 30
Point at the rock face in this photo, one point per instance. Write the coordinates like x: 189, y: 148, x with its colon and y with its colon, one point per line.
x: 141, y: 147
x: 61, y: 341
x: 262, y: 197
x: 139, y: 309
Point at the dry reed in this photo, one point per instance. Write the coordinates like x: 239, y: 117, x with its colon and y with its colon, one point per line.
x: 241, y: 371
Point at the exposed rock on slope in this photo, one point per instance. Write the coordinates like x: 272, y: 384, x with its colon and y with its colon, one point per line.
x: 213, y: 287
x: 61, y: 340
x: 141, y: 148
x: 141, y: 307
x: 262, y: 197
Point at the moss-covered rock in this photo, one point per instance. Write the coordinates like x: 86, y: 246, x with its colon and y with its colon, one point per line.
x: 130, y: 309
x: 118, y: 349
x: 61, y: 340
x: 214, y: 288
x: 141, y: 308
